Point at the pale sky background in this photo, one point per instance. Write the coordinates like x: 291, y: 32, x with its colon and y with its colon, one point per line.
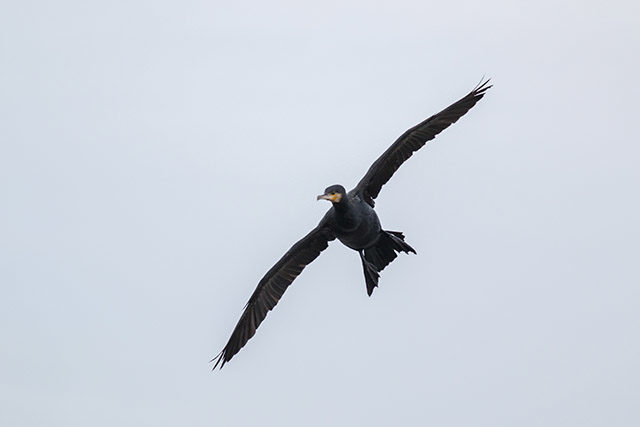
x: 156, y: 159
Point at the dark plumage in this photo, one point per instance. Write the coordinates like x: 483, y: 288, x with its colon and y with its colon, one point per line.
x: 351, y: 220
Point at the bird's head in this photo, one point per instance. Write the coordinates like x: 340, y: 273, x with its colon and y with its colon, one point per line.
x: 334, y: 194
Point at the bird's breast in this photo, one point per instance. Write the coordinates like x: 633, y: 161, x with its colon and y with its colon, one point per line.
x: 359, y: 228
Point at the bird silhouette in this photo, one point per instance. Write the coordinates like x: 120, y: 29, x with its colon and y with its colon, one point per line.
x: 352, y: 220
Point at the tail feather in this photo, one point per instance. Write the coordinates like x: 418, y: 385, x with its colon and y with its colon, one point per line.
x: 377, y: 257
x: 384, y: 251
x: 399, y: 244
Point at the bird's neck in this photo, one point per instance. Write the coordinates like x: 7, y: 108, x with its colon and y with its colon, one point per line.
x: 343, y: 207
x: 345, y: 216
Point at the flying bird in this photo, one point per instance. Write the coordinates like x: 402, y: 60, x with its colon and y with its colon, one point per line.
x: 352, y: 220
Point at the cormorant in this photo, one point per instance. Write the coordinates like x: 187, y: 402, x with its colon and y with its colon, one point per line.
x: 352, y: 220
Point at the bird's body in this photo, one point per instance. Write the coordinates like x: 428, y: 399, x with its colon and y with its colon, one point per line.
x: 352, y: 220
x: 355, y: 223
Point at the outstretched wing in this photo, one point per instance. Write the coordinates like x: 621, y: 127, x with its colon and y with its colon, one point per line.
x: 272, y: 286
x: 384, y: 167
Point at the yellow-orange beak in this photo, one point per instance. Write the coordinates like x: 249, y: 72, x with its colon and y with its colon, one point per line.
x: 335, y: 197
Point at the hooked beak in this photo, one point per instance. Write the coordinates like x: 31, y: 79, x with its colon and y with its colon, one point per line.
x: 334, y: 198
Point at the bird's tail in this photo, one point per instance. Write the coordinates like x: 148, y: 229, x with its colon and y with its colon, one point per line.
x: 378, y: 256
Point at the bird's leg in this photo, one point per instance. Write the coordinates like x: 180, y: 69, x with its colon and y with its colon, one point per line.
x: 371, y: 273
x: 365, y: 261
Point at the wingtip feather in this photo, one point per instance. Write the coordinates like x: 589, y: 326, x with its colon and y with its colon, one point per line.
x: 219, y: 358
x: 481, y: 87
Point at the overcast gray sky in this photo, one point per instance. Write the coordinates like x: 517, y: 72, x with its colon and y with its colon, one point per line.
x: 156, y: 159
